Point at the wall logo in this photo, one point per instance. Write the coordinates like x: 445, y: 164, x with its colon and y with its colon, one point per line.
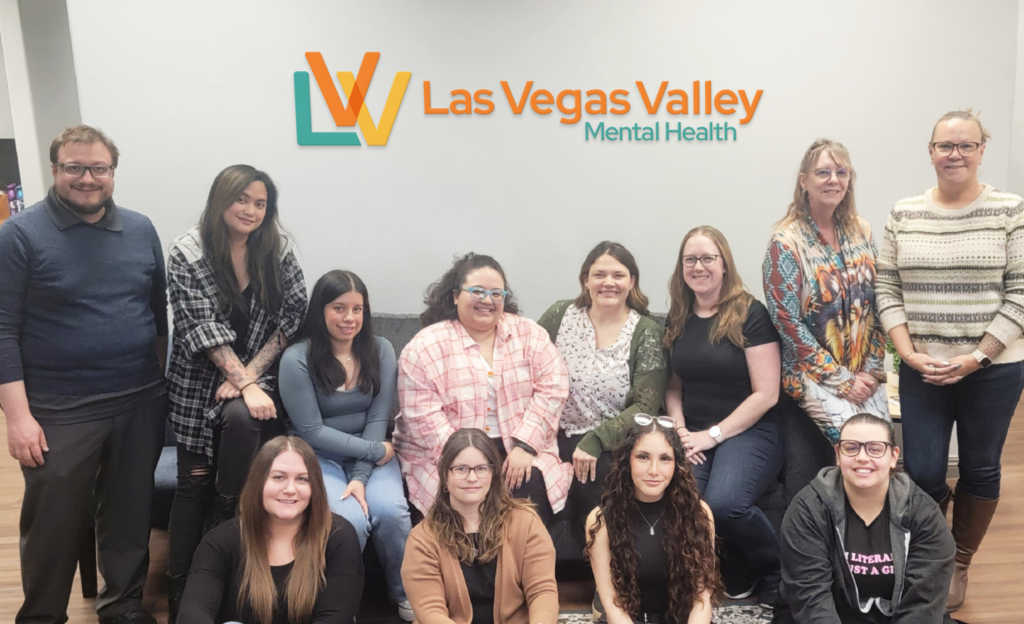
x: 355, y: 88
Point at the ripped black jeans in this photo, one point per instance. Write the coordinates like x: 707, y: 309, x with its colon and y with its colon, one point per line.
x: 236, y: 442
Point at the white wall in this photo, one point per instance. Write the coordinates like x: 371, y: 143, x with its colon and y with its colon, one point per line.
x: 187, y: 88
x: 6, y: 122
x: 1015, y: 183
x: 51, y: 70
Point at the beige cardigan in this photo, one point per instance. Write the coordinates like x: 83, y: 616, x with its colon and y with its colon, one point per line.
x: 525, y: 591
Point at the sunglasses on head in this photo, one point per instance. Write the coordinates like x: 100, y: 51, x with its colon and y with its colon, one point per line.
x: 645, y: 419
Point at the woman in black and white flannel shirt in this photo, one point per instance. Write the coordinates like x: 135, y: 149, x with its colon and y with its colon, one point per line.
x: 238, y: 296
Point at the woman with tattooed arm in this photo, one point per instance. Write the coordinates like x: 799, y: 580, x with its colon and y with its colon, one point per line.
x: 238, y: 296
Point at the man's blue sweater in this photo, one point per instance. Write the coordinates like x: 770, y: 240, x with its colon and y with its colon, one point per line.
x: 81, y: 305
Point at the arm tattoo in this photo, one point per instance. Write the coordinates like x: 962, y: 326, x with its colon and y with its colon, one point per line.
x: 223, y: 356
x: 267, y: 354
x: 991, y: 346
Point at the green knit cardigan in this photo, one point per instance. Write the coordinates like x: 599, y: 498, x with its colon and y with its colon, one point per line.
x: 648, y: 376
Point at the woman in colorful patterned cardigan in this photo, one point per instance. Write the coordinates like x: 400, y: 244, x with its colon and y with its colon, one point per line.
x: 951, y: 295
x: 819, y: 286
x: 477, y: 363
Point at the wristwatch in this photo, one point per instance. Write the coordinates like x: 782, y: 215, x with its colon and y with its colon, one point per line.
x: 716, y: 434
x: 983, y: 360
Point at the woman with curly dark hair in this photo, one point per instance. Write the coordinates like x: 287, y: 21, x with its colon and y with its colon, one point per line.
x: 480, y: 556
x: 477, y: 363
x: 651, y: 543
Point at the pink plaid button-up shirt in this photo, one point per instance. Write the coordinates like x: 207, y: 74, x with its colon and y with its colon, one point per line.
x: 442, y: 387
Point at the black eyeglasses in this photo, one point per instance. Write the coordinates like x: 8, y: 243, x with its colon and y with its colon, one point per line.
x: 945, y: 148
x: 708, y: 260
x: 74, y: 170
x: 482, y: 471
x: 851, y: 448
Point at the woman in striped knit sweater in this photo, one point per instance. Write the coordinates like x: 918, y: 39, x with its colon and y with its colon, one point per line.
x: 950, y: 291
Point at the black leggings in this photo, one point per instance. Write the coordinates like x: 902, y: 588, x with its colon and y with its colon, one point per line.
x: 583, y: 497
x: 535, y: 489
x: 236, y: 442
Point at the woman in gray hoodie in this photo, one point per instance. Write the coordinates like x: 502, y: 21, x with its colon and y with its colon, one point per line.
x: 862, y: 544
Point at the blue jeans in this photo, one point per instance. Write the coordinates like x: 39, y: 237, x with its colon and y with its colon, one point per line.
x: 981, y: 406
x: 389, y: 522
x: 734, y: 475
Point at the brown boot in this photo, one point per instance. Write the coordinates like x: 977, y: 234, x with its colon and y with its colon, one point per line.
x: 944, y: 503
x: 971, y: 517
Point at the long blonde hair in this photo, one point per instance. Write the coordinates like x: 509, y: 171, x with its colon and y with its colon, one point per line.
x: 446, y: 523
x: 308, y: 576
x: 733, y: 299
x: 799, y: 209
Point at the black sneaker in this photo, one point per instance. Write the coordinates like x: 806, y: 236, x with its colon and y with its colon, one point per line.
x: 133, y: 616
x: 768, y: 596
x: 738, y: 588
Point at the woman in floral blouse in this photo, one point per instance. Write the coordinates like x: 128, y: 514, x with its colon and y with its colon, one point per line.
x: 238, y: 297
x: 617, y: 366
x: 819, y: 284
x: 477, y: 363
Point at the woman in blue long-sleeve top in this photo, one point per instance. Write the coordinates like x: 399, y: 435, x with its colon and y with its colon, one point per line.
x: 337, y: 384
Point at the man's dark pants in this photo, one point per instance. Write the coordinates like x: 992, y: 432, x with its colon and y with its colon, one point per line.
x: 104, y: 466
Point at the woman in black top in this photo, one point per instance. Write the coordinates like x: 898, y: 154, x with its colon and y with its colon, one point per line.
x: 722, y: 394
x: 862, y: 544
x: 651, y: 543
x: 286, y: 558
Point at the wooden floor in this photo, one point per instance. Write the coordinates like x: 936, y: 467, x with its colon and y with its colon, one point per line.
x: 997, y: 576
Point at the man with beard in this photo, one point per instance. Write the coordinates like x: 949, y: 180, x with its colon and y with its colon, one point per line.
x: 83, y: 337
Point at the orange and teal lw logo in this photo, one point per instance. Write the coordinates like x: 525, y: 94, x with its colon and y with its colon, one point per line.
x: 355, y: 88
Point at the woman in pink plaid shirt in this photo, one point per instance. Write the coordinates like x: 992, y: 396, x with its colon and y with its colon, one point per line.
x: 477, y: 363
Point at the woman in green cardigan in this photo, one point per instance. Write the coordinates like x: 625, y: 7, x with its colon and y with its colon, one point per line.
x: 617, y: 366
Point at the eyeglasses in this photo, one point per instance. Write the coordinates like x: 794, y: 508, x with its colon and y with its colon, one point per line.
x: 825, y: 173
x: 851, y: 448
x: 945, y: 148
x: 483, y: 471
x: 479, y: 293
x: 708, y: 260
x: 645, y: 419
x: 73, y: 170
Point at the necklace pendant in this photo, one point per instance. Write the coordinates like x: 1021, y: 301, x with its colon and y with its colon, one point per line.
x: 652, y: 530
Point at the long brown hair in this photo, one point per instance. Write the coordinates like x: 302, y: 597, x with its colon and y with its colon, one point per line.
x: 307, y: 578
x: 693, y: 565
x: 733, y: 299
x: 799, y: 209
x: 440, y: 303
x: 635, y: 299
x: 263, y: 255
x: 446, y: 523
x: 325, y: 370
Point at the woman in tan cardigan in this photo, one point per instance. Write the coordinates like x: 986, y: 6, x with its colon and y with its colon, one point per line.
x: 480, y: 556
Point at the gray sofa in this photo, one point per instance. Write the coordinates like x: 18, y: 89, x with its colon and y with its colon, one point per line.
x: 806, y: 452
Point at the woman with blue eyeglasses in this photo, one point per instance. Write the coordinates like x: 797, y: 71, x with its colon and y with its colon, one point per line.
x: 477, y: 363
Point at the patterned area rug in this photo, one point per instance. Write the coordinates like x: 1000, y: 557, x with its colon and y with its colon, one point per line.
x: 729, y: 614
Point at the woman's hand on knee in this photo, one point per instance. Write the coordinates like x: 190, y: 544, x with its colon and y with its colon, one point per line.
x: 261, y: 406
x: 226, y: 392
x: 584, y: 465
x: 357, y: 490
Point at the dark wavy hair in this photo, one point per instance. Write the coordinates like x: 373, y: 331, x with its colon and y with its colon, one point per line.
x: 439, y: 300
x: 327, y: 372
x: 693, y: 567
x: 635, y: 299
x: 263, y: 257
x: 446, y: 523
